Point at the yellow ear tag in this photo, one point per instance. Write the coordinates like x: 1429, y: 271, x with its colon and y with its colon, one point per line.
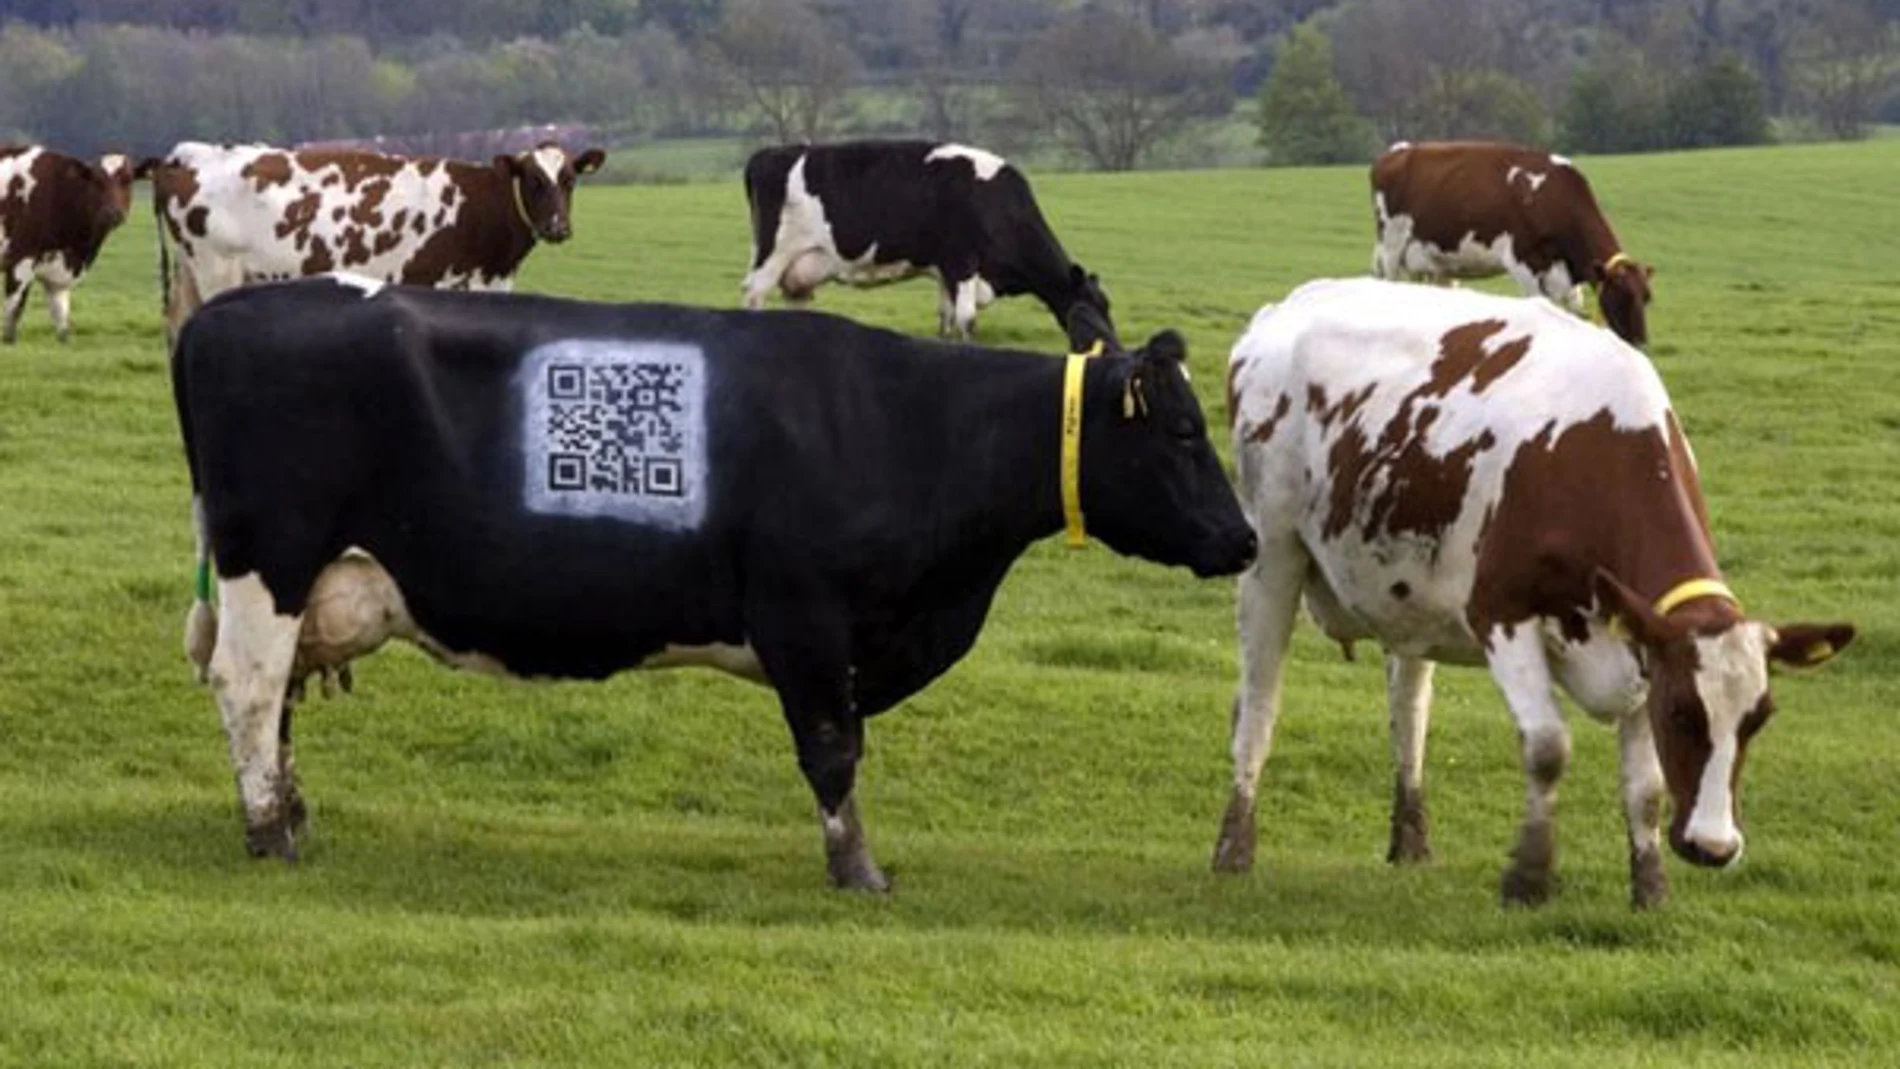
x: 1818, y: 652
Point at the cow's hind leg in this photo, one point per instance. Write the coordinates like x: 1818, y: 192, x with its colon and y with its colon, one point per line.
x: 1519, y: 667
x: 1642, y: 809
x: 59, y: 301
x: 1269, y: 603
x: 1408, y: 689
x: 17, y: 282
x: 250, y: 671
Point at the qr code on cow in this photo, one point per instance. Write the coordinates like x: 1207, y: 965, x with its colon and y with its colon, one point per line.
x: 616, y: 429
x: 612, y: 428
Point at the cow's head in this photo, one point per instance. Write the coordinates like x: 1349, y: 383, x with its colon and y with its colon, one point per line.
x: 542, y: 183
x: 1084, y: 312
x: 1151, y: 485
x: 1707, y: 667
x: 112, y: 176
x: 1623, y: 294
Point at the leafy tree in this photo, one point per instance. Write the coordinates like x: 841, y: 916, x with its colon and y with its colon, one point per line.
x: 1111, y: 89
x: 1720, y: 103
x: 787, y: 64
x: 1305, y: 116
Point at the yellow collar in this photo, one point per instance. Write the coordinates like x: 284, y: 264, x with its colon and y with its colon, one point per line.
x: 1072, y: 444
x: 1692, y: 589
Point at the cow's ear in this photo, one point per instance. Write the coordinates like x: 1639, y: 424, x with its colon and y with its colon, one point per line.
x: 1077, y: 276
x: 588, y: 162
x: 1167, y: 345
x: 1628, y: 608
x: 507, y: 165
x: 1803, y: 645
x: 145, y: 167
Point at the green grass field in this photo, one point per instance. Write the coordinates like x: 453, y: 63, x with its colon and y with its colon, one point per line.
x: 629, y: 873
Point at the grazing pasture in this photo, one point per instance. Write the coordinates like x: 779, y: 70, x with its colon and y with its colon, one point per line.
x: 620, y: 874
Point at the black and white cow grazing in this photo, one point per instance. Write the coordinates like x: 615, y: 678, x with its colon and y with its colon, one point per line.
x: 871, y: 212
x: 1484, y: 480
x: 548, y: 488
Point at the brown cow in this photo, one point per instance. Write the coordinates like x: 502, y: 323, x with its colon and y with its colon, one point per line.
x: 1476, y: 479
x: 55, y: 213
x: 231, y: 214
x: 1473, y: 209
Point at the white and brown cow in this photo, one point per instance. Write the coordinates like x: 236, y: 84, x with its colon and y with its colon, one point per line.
x: 231, y: 214
x: 1473, y: 209
x: 55, y: 213
x: 1478, y: 479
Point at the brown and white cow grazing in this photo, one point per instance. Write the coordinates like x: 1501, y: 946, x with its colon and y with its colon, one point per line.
x: 1485, y: 480
x: 231, y: 214
x: 1473, y: 209
x: 55, y: 213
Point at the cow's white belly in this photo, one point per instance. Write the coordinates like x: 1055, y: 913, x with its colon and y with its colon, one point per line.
x: 355, y: 607
x: 866, y: 271
x: 1471, y: 258
x: 1396, y: 596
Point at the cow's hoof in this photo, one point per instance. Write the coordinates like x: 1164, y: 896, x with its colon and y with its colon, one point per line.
x: 1525, y: 887
x: 860, y: 875
x: 1649, y: 886
x: 1411, y: 839
x: 1233, y: 851
x: 274, y: 838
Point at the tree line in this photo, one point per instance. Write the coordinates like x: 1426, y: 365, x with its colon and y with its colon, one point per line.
x: 1112, y: 84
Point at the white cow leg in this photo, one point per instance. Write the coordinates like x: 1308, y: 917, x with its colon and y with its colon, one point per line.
x: 1269, y: 603
x: 59, y: 301
x: 946, y: 309
x: 1519, y: 667
x: 17, y: 283
x: 967, y: 291
x: 1642, y: 809
x: 250, y: 670
x: 847, y: 854
x: 1408, y: 690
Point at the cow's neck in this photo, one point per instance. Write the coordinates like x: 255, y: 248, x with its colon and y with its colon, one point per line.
x: 1000, y: 490
x: 1662, y: 528
x: 512, y: 237
x: 1593, y: 243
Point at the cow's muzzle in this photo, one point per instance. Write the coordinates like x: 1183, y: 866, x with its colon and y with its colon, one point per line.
x: 1712, y: 856
x: 1231, y: 552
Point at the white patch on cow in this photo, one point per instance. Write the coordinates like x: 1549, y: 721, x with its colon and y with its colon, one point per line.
x: 550, y: 158
x: 112, y: 163
x: 1533, y: 178
x: 1560, y: 161
x: 369, y: 287
x: 987, y: 163
x: 1601, y: 672
x: 1398, y: 146
x: 1731, y: 677
x: 615, y: 429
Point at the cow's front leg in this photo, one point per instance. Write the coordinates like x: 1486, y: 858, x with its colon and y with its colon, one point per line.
x: 804, y: 649
x: 1519, y: 667
x: 946, y: 309
x: 250, y: 673
x: 1642, y: 809
x: 1408, y: 689
x: 1269, y: 602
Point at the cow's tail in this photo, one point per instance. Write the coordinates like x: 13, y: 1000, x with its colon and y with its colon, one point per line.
x: 201, y: 622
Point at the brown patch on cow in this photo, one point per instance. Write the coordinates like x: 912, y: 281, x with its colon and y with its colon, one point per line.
x: 298, y: 215
x: 1587, y: 496
x: 485, y: 236
x: 1262, y: 432
x: 355, y: 249
x: 337, y: 214
x: 1461, y: 356
x: 319, y: 259
x: 367, y: 211
x: 267, y: 170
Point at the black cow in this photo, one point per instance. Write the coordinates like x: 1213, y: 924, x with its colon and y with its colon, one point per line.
x: 548, y: 488
x: 871, y: 212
